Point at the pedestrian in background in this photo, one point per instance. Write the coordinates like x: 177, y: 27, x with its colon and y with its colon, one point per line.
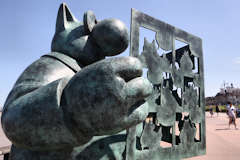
x: 232, y: 115
x: 217, y: 109
x: 211, y: 111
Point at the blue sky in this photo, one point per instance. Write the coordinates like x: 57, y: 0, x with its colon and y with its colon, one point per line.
x: 27, y: 28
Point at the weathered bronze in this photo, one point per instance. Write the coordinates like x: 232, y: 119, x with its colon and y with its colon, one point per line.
x: 177, y: 103
x: 74, y: 104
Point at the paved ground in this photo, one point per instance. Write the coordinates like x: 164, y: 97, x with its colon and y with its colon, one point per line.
x: 222, y: 143
x: 3, y: 139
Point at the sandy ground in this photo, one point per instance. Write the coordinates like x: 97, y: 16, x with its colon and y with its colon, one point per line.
x: 222, y: 143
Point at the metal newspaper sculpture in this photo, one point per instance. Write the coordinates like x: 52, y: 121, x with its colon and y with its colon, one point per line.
x: 73, y: 104
x: 176, y: 107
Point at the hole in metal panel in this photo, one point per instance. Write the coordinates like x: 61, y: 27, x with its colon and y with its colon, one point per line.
x: 197, y: 136
x: 160, y: 51
x: 177, y: 66
x: 177, y: 93
x: 178, y: 127
x: 145, y: 70
x: 165, y: 144
x: 196, y: 66
x: 166, y: 141
x: 179, y: 44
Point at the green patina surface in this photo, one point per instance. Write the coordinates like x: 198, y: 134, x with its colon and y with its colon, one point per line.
x: 74, y: 104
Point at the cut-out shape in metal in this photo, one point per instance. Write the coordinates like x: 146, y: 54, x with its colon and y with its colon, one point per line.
x: 178, y: 98
x: 151, y: 136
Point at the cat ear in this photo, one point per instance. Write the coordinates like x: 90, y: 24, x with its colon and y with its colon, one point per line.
x: 64, y: 17
x: 89, y: 20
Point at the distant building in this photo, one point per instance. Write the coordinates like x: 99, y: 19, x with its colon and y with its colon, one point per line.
x: 227, y: 93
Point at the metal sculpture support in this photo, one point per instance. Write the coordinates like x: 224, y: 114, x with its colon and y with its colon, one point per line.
x: 74, y: 104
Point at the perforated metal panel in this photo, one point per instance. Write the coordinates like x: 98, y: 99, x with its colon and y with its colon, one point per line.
x: 175, y: 127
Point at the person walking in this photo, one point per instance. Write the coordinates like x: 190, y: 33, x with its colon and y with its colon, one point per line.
x: 217, y: 109
x: 211, y: 111
x: 232, y: 115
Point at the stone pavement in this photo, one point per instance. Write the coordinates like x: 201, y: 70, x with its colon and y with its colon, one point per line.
x: 222, y: 143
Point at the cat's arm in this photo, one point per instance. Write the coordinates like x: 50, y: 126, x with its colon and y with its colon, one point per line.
x: 103, y: 98
x: 32, y: 117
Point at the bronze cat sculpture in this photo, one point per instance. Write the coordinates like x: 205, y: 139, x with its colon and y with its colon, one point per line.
x: 73, y: 94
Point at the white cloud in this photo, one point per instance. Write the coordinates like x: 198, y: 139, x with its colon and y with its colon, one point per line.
x: 237, y: 60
